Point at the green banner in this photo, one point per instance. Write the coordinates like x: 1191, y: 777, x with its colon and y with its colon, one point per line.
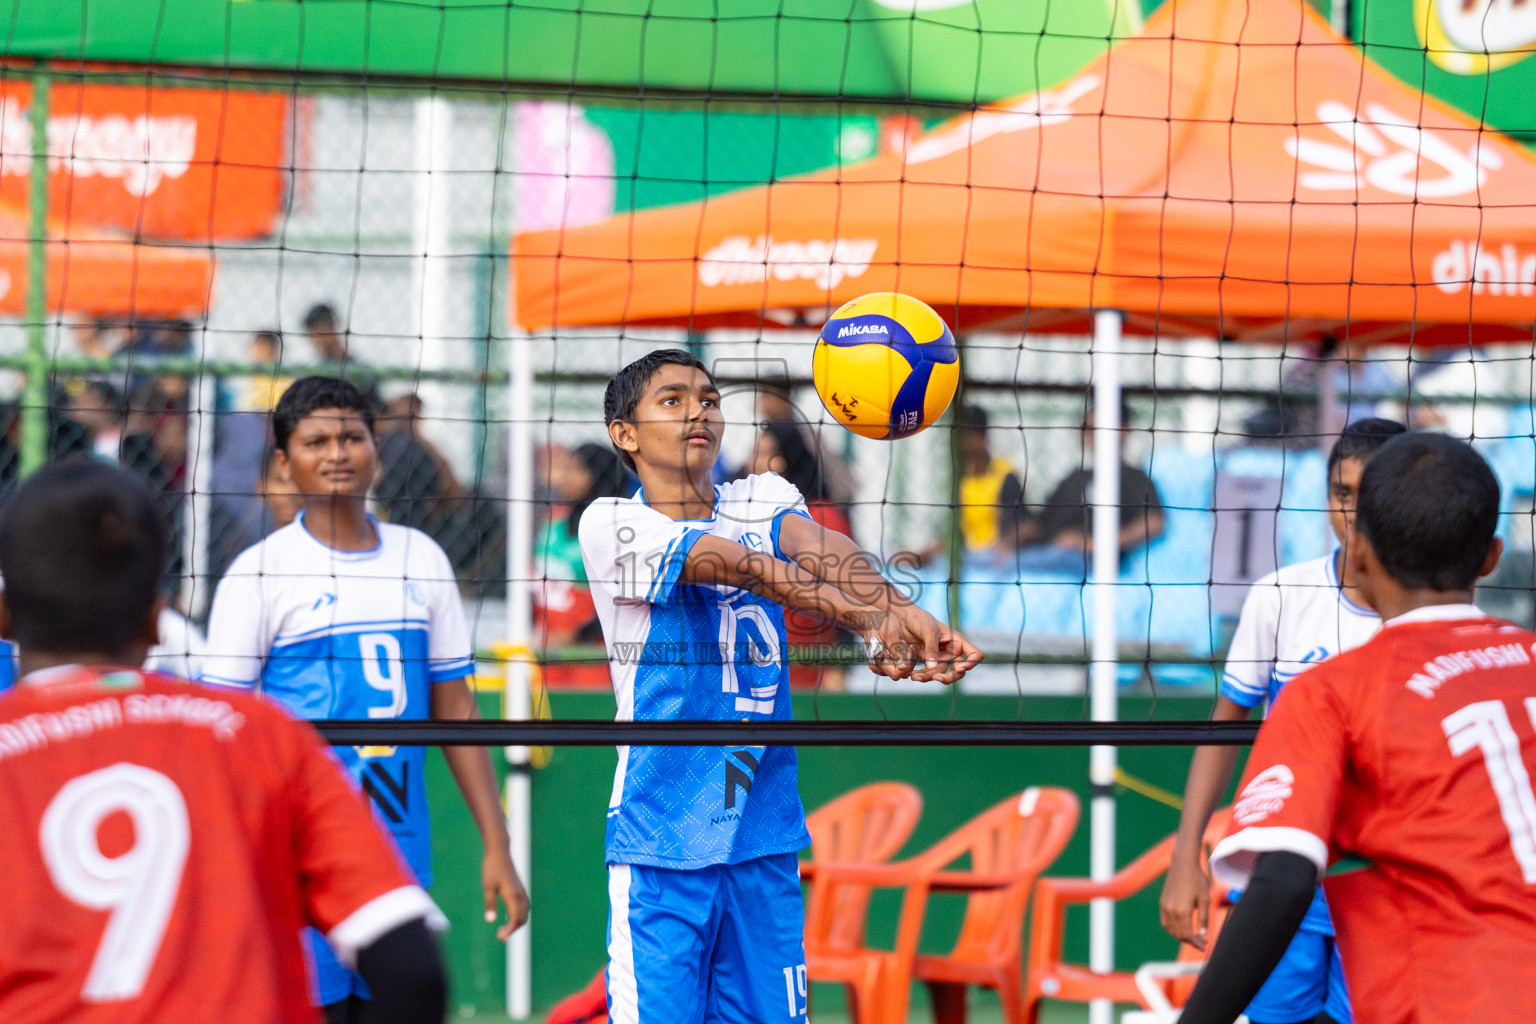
x: 925, y: 50
x: 1478, y: 55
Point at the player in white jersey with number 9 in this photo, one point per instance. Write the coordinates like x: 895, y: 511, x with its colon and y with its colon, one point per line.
x: 165, y: 844
x: 338, y: 615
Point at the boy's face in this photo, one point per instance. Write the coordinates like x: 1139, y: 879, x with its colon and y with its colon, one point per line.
x: 1343, y: 490
x: 677, y: 423
x: 330, y: 452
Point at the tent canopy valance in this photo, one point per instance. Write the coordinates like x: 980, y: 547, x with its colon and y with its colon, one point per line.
x: 1234, y: 170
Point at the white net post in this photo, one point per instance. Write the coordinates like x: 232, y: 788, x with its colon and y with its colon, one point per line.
x: 197, y: 532
x: 1104, y: 681
x: 517, y: 701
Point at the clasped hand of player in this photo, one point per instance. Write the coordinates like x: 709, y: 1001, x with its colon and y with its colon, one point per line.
x: 910, y: 643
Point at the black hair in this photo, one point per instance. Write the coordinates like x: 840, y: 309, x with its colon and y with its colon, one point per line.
x: 321, y: 315
x: 307, y: 395
x: 1363, y: 439
x: 802, y: 462
x: 972, y: 417
x: 83, y: 545
x: 628, y: 385
x: 1429, y: 505
x: 609, y: 479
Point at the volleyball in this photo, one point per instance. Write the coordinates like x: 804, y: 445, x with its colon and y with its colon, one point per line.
x: 886, y: 365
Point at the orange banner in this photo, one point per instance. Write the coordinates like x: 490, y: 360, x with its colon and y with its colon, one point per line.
x: 198, y: 165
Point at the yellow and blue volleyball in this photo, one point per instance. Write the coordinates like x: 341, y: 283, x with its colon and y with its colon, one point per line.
x: 886, y: 365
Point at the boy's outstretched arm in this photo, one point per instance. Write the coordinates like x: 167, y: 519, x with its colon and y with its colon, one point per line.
x: 836, y: 560
x: 471, y: 768
x: 714, y: 560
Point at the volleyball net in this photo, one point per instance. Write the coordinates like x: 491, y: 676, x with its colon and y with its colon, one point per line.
x: 1181, y: 245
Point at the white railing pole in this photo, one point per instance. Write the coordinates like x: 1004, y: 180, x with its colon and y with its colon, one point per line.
x: 1104, y: 679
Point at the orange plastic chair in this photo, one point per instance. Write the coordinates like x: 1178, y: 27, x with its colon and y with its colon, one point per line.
x: 1050, y: 977
x: 1009, y: 845
x: 865, y: 826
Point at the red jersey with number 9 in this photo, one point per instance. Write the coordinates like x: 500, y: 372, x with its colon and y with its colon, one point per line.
x: 1406, y: 764
x: 165, y: 844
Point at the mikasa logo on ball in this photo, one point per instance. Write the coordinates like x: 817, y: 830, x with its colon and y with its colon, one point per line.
x: 852, y: 329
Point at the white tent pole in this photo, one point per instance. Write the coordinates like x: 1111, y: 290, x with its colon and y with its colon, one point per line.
x: 196, y: 535
x: 1104, y: 680
x: 440, y: 316
x: 517, y: 700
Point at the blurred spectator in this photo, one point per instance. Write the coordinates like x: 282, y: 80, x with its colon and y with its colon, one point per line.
x: 1066, y: 519
x: 273, y: 504
x: 332, y: 345
x: 562, y: 604
x: 774, y: 406
x: 280, y: 500
x: 1356, y: 383
x: 97, y: 339
x: 265, y: 389
x: 100, y: 413
x: 991, y: 495
x: 414, y: 478
x: 174, y: 338
x: 781, y: 448
x: 325, y: 334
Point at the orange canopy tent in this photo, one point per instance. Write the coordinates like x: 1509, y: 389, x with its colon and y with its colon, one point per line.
x: 97, y: 272
x: 1235, y: 170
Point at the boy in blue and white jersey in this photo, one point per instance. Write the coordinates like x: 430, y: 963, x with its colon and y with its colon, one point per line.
x: 338, y: 615
x: 691, y: 581
x: 1292, y: 619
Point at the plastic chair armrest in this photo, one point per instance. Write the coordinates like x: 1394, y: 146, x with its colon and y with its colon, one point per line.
x: 887, y: 876
x: 970, y: 881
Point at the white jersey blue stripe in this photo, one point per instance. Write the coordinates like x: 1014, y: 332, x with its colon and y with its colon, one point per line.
x: 684, y: 652
x: 348, y: 634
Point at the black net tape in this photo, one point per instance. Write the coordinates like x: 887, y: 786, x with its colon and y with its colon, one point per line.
x: 800, y: 734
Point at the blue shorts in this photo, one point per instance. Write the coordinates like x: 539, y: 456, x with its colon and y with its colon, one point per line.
x: 724, y: 943
x: 1308, y: 980
x: 331, y: 980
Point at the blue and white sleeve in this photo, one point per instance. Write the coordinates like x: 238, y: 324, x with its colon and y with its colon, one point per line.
x: 237, y: 644
x: 634, y: 552
x: 1251, y: 658
x: 450, y: 651
x: 779, y: 498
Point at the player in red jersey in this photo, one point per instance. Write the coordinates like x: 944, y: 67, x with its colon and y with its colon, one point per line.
x: 1404, y: 764
x: 165, y: 845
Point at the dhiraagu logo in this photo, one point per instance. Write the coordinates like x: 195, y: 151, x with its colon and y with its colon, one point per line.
x: 1474, y: 37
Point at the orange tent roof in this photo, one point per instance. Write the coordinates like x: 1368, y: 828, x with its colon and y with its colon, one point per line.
x: 1208, y: 176
x: 99, y: 273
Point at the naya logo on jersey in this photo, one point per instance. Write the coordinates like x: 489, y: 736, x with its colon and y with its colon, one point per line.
x: 738, y: 775
x: 415, y: 592
x: 390, y: 795
x: 323, y: 601
x: 1265, y: 794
